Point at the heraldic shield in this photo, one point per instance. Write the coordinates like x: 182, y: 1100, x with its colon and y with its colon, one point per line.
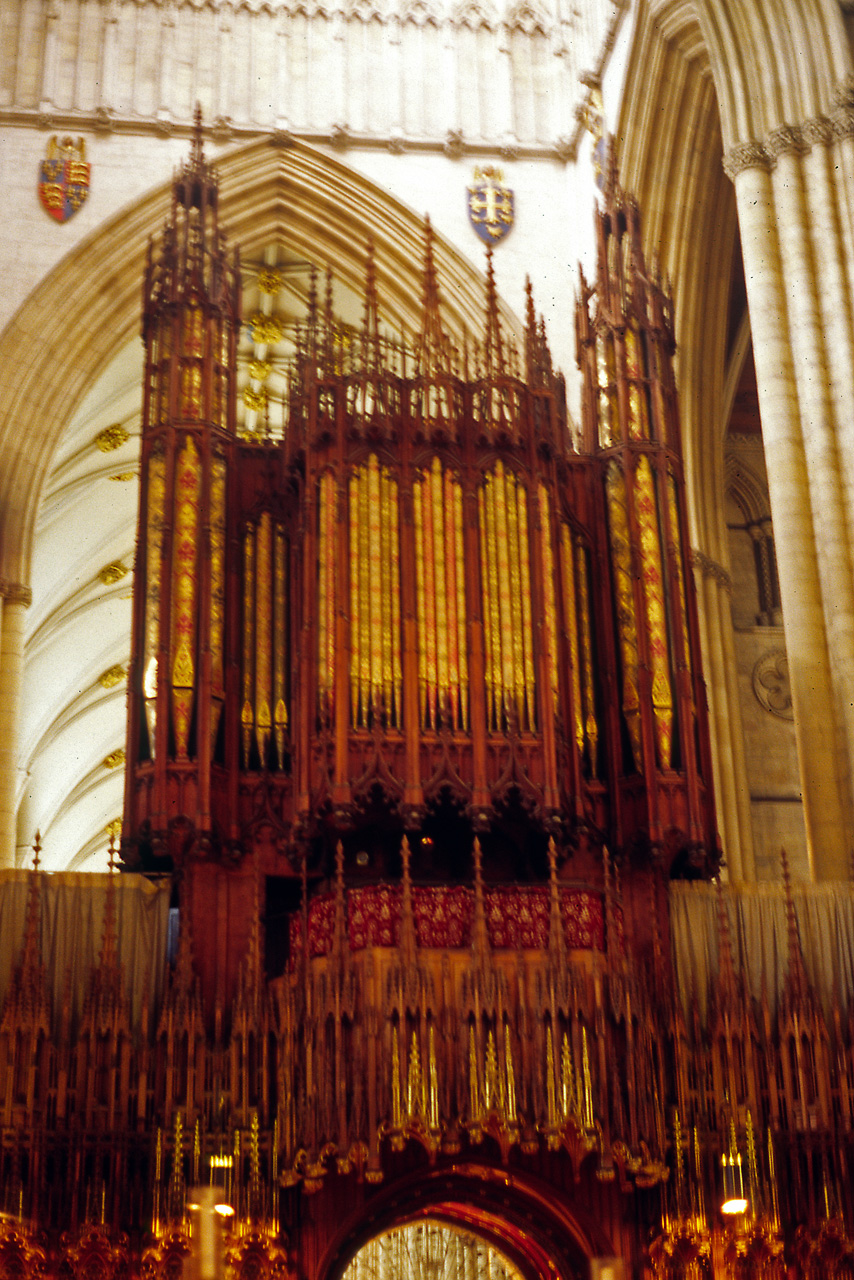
x: 64, y: 178
x: 490, y: 205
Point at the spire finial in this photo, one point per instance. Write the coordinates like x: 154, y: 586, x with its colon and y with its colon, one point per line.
x: 797, y: 980
x: 340, y: 920
x: 431, y: 350
x: 37, y: 848
x: 197, y: 155
x: 371, y: 320
x: 557, y: 939
x: 493, y: 347
x: 479, y: 934
x: 408, y: 936
x: 726, y: 975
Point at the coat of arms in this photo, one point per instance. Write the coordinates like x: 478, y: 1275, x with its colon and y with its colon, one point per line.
x: 490, y: 205
x: 64, y: 177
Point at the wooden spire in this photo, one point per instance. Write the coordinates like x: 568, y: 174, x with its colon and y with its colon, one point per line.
x: 432, y: 353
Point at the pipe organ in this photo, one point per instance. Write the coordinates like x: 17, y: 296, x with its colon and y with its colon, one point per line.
x: 424, y: 593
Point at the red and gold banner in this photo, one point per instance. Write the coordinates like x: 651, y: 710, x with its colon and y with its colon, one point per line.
x: 517, y: 918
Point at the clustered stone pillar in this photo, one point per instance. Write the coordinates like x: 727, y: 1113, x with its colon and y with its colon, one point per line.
x: 14, y: 602
x: 799, y: 270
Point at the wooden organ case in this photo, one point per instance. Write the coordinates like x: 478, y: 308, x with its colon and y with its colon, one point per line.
x: 425, y: 609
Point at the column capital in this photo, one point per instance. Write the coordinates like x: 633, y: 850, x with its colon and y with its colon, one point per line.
x: 787, y: 139
x: 842, y: 115
x: 745, y: 155
x: 16, y: 593
x: 711, y: 569
x: 795, y: 139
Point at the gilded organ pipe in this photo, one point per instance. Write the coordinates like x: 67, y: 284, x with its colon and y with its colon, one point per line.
x: 624, y: 602
x: 505, y: 571
x: 549, y: 600
x: 280, y: 709
x: 217, y: 571
x: 658, y: 643
x: 375, y: 654
x: 185, y: 590
x: 247, y: 713
x: 154, y: 572
x: 263, y: 633
x: 591, y: 725
x: 326, y: 561
x: 570, y: 599
x: 440, y: 594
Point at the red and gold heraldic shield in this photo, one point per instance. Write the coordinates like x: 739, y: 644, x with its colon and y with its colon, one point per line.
x: 64, y: 178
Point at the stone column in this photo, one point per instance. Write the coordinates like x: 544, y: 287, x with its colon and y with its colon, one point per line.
x: 813, y: 553
x: 732, y: 792
x: 14, y: 601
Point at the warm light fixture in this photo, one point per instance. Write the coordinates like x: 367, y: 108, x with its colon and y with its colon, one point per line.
x: 734, y: 1201
x: 224, y: 1210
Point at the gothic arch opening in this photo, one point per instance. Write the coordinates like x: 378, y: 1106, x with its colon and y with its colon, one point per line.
x: 500, y: 1225
x: 431, y: 1250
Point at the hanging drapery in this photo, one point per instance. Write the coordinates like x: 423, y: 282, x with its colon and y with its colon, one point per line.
x: 759, y: 938
x: 72, y: 906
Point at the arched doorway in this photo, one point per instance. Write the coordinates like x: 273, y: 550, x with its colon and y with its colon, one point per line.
x: 430, y: 1250
x: 469, y: 1212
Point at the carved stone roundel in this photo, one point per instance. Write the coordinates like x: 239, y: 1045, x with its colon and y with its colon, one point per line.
x: 771, y: 684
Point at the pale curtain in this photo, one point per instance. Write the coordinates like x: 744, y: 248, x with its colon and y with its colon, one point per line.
x: 759, y: 938
x: 72, y: 927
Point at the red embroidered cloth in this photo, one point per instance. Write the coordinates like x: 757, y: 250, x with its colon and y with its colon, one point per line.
x: 516, y: 918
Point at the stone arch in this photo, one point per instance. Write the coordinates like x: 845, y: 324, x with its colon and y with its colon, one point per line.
x: 747, y: 491
x: 87, y: 308
x: 521, y: 1218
